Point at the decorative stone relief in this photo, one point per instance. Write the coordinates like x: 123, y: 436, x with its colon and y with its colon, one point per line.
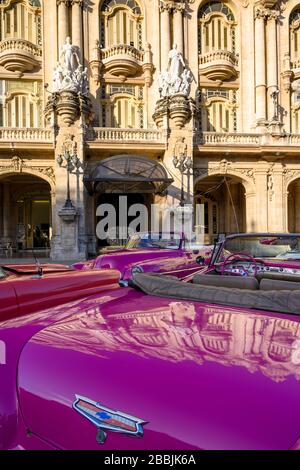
x: 224, y: 167
x: 17, y: 165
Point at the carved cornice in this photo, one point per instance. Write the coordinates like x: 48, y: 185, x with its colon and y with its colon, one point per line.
x: 266, y: 13
x: 171, y: 6
x: 77, y: 2
x: 66, y: 2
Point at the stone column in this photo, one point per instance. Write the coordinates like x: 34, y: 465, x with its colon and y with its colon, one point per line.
x: 261, y: 184
x: 77, y: 23
x: 272, y: 80
x: 165, y: 37
x: 297, y: 207
x: 63, y: 21
x: 276, y: 202
x: 178, y: 25
x: 6, y: 211
x: 260, y: 66
x: 250, y: 211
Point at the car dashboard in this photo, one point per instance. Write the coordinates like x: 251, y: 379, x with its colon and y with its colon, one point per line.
x: 240, y: 267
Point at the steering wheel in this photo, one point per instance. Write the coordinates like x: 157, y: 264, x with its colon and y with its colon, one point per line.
x: 239, y: 257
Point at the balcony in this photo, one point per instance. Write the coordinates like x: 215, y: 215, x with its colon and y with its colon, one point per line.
x: 122, y: 60
x: 219, y: 65
x: 139, y: 139
x: 282, y: 144
x: 19, y: 55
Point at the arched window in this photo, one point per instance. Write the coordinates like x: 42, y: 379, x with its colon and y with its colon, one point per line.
x: 218, y: 110
x: 21, y: 19
x: 216, y: 28
x: 122, y: 106
x: 22, y: 106
x: 295, y: 34
x: 121, y: 23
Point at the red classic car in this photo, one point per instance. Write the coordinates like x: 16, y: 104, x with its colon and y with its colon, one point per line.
x: 27, y: 288
x: 213, y: 363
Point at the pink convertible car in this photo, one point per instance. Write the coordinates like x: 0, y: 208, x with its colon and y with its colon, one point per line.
x: 209, y: 362
x: 151, y: 252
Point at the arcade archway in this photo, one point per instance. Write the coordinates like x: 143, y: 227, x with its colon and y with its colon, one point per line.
x: 25, y: 214
x: 294, y: 206
x: 223, y: 198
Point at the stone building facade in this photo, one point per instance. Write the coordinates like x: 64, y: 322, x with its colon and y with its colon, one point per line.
x: 123, y: 111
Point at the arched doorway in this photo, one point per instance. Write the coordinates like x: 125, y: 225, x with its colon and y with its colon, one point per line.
x: 294, y: 206
x: 135, y: 178
x: 223, y: 198
x: 25, y: 214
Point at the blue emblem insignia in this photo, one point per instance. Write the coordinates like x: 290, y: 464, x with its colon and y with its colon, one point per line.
x: 108, y: 420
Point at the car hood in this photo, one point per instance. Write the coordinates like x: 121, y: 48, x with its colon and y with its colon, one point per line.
x: 201, y: 376
x: 122, y: 258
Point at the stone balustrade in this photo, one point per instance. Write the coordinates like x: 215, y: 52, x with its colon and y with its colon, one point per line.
x: 22, y: 44
x: 215, y: 138
x: 219, y: 65
x: 219, y: 56
x: 126, y: 135
x: 245, y: 139
x: 12, y: 134
x: 19, y: 55
x: 122, y: 49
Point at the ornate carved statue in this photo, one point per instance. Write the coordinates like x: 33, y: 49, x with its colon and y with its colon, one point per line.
x: 69, y: 74
x: 175, y: 64
x: 69, y: 55
x: 177, y: 78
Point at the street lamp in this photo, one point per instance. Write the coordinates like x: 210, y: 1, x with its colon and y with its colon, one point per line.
x: 184, y: 164
x: 70, y: 163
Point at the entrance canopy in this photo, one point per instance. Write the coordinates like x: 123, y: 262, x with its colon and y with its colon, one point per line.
x: 127, y: 174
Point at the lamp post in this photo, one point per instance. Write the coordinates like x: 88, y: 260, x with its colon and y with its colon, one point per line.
x: 184, y: 164
x: 70, y: 163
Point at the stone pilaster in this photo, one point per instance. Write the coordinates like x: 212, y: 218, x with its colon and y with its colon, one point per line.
x: 63, y: 21
x: 251, y: 220
x: 6, y: 211
x: 77, y: 23
x: 178, y: 26
x: 165, y: 33
x: 260, y: 67
x: 272, y: 71
x: 261, y: 183
x: 276, y: 203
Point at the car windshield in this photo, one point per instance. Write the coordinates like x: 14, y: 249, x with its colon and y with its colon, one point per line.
x: 154, y: 240
x: 279, y: 247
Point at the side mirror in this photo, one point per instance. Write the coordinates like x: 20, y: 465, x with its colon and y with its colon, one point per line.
x: 200, y: 260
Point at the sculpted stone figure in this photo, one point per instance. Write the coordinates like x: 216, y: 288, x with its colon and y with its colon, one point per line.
x: 175, y: 63
x: 177, y: 78
x: 69, y: 55
x: 69, y: 74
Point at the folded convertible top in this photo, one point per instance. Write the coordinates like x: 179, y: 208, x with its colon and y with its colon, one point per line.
x: 284, y: 301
